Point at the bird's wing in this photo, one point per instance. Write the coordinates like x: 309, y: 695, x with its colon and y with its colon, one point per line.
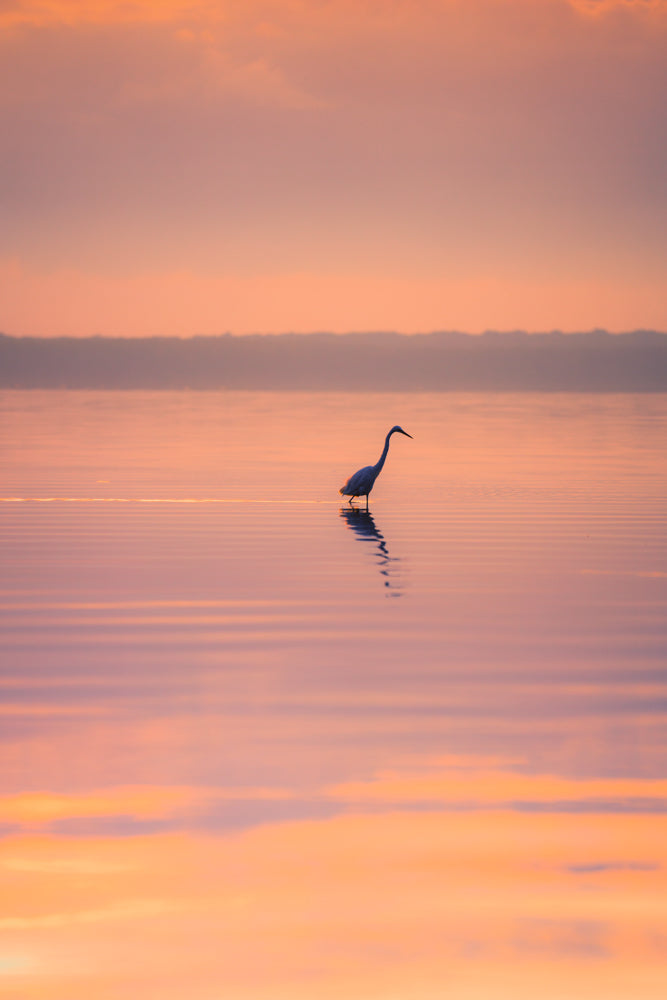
x: 355, y: 486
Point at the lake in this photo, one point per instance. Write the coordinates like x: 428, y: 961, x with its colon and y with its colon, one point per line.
x: 258, y: 744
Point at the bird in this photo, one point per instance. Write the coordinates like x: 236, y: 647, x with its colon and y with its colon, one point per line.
x: 363, y: 481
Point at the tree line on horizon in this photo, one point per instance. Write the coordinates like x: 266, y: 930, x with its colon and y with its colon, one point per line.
x: 438, y: 361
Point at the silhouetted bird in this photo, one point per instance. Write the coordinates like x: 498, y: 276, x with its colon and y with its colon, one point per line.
x: 363, y: 481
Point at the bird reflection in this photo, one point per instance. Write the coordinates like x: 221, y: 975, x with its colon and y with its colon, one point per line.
x: 363, y: 524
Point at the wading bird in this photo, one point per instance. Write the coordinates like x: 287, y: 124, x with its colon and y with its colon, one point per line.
x: 363, y: 481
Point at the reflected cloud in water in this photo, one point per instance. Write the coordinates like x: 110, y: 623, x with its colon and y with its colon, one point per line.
x: 203, y: 730
x: 363, y: 524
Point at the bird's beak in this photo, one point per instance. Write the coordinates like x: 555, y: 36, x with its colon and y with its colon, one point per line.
x: 408, y: 435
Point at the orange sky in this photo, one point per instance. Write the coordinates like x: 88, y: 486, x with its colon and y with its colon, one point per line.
x: 188, y: 166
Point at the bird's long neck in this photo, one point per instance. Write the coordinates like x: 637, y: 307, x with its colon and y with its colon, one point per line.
x: 383, y: 456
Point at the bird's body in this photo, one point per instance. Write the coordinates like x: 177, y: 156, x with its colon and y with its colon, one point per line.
x: 363, y: 481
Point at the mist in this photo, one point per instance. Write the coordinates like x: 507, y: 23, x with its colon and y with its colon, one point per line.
x: 511, y: 361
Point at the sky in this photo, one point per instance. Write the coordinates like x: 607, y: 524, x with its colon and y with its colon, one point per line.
x: 194, y: 167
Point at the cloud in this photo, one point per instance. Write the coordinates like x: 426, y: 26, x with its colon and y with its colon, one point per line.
x: 375, y: 906
x: 62, y: 866
x: 72, y: 13
x: 565, y: 938
x: 257, y: 81
x: 39, y: 808
x: 166, y: 60
x: 131, y: 806
x: 430, y: 139
x: 454, y: 786
x: 466, y: 787
x: 613, y: 866
x: 641, y: 8
x: 127, y: 910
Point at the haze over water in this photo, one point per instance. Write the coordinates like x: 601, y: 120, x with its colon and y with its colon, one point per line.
x: 261, y: 745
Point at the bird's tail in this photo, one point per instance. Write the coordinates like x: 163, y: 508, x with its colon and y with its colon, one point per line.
x: 342, y: 491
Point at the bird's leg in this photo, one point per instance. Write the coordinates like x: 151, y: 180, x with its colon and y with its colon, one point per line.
x: 350, y: 501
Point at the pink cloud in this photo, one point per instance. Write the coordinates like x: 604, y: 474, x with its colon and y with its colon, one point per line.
x: 443, y: 146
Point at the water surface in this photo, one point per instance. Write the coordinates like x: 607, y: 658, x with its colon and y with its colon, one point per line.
x: 259, y: 744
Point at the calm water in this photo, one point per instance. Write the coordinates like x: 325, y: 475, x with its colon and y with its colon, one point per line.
x: 257, y: 745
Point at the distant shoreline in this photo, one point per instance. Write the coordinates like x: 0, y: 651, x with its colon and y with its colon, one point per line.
x: 595, y: 361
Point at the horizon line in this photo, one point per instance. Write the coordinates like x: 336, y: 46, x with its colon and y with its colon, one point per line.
x: 491, y: 331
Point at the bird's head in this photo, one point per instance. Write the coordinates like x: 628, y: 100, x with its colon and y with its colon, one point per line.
x: 399, y: 430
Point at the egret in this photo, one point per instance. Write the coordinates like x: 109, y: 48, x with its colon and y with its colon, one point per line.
x: 363, y: 481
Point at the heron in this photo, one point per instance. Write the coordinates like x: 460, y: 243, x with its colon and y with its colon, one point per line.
x: 363, y: 481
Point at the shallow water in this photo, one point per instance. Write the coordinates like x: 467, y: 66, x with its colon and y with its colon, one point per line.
x: 259, y: 744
